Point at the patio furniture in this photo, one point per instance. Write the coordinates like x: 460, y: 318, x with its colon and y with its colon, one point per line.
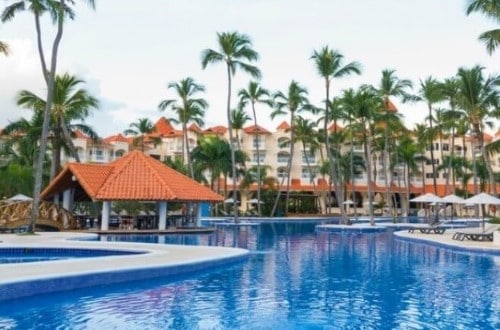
x: 476, y: 234
x: 434, y: 228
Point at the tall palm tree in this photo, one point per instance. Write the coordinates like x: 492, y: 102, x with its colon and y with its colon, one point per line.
x: 430, y: 92
x: 142, y: 130
x: 4, y: 48
x: 407, y: 153
x: 239, y: 118
x: 491, y: 9
x: 304, y: 133
x: 59, y: 10
x: 235, y: 50
x: 330, y: 65
x: 364, y: 107
x: 254, y: 94
x: 479, y: 97
x: 70, y: 103
x: 188, y: 108
x: 291, y: 103
x: 390, y: 86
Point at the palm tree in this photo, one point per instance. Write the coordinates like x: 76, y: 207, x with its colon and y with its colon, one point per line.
x: 407, y: 153
x: 235, y: 50
x: 430, y: 92
x: 142, y: 130
x: 255, y: 94
x: 478, y: 97
x: 69, y: 103
x: 491, y: 9
x: 364, y: 107
x: 304, y: 133
x: 4, y: 48
x: 239, y: 118
x: 390, y: 86
x: 330, y: 65
x: 213, y: 154
x: 294, y: 101
x: 58, y: 10
x: 188, y: 109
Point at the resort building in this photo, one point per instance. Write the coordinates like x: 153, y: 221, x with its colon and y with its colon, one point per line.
x: 272, y: 150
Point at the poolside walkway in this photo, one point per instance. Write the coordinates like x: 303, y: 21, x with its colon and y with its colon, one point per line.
x: 447, y: 240
x: 158, y: 260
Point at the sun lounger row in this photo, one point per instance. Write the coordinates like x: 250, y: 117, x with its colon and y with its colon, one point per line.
x: 435, y: 228
x: 475, y: 234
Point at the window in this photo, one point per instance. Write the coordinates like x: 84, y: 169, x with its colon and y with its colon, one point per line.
x: 283, y: 142
x: 261, y: 159
x: 307, y: 173
x: 446, y: 147
x: 258, y: 140
x: 429, y: 175
x: 282, y: 172
x: 308, y: 157
x: 283, y: 157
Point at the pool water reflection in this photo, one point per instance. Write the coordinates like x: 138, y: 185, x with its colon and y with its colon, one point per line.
x: 294, y: 279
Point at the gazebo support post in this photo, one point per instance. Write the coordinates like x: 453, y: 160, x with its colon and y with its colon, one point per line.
x: 197, y: 220
x: 67, y: 199
x: 162, y: 215
x: 106, y: 209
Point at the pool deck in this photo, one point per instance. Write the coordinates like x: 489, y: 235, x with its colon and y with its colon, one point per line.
x: 158, y: 260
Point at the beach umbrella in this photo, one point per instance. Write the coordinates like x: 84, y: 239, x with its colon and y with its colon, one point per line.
x: 348, y: 202
x: 453, y: 199
x: 230, y: 201
x: 255, y: 201
x: 482, y: 199
x: 19, y: 198
x: 427, y: 198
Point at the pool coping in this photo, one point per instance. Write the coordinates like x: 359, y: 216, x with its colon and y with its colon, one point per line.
x: 158, y: 260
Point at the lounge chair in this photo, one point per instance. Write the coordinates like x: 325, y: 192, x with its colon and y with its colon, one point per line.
x: 433, y: 228
x: 476, y: 234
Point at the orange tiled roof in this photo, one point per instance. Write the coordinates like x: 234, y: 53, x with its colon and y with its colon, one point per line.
x: 335, y: 127
x: 390, y: 106
x: 116, y: 138
x: 135, y: 176
x: 80, y: 135
x: 283, y: 126
x: 194, y: 128
x: 163, y: 126
x: 219, y: 130
x: 255, y: 129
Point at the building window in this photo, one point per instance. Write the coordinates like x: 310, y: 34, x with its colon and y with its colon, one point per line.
x: 283, y: 142
x: 308, y: 157
x: 261, y: 159
x: 282, y: 172
x: 429, y: 175
x: 307, y: 173
x: 446, y: 147
x: 283, y: 157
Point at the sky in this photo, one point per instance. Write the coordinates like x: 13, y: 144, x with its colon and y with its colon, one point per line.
x: 128, y: 51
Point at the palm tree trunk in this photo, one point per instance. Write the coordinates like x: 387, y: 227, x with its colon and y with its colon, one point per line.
x: 432, y: 151
x: 69, y: 140
x: 367, y: 144
x: 259, y: 184
x: 450, y: 161
x: 233, y: 157
x: 186, y: 150
x: 46, y: 117
x: 290, y: 160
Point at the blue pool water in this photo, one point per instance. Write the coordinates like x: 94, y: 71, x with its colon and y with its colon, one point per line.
x: 295, y: 278
x: 29, y: 254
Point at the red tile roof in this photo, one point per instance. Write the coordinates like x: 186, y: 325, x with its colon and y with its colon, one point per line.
x: 116, y: 138
x: 390, y: 106
x: 194, y: 128
x: 283, y: 126
x: 163, y: 126
x: 219, y: 130
x: 335, y: 128
x: 255, y: 129
x: 135, y: 176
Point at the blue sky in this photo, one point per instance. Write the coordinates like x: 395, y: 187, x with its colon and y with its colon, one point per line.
x: 128, y: 51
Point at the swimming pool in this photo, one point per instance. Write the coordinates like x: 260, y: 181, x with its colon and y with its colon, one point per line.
x: 34, y: 254
x: 295, y: 278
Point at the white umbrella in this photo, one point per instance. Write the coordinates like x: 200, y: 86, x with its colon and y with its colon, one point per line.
x: 349, y: 202
x: 19, y: 198
x: 482, y: 199
x: 255, y: 201
x: 427, y: 198
x: 230, y: 201
x: 453, y: 199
